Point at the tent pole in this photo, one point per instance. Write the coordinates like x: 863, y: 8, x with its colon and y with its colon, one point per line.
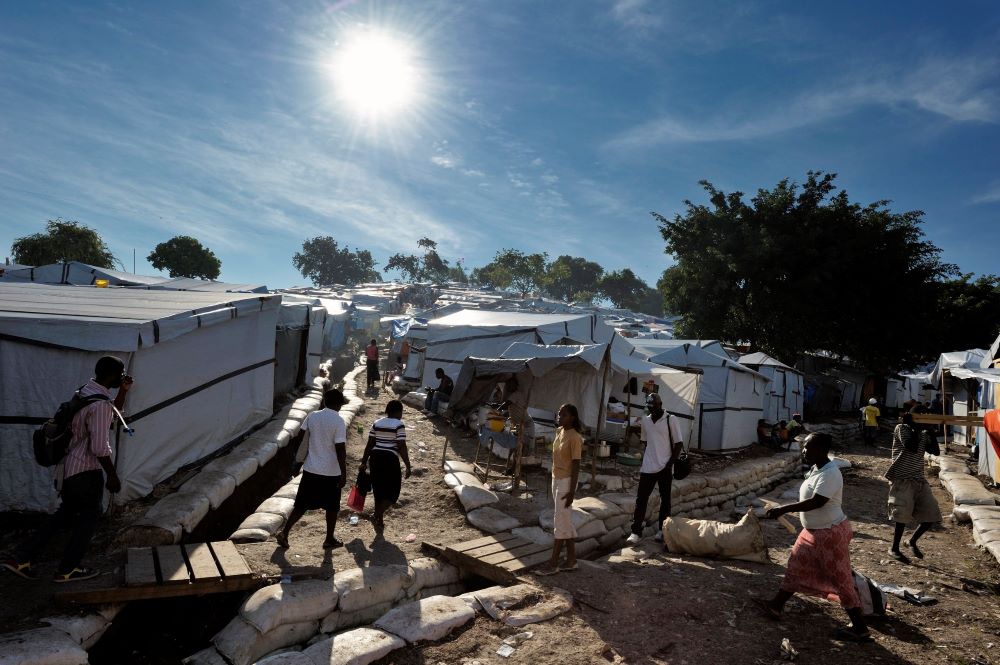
x: 520, y: 444
x: 628, y: 406
x: 944, y: 408
x: 600, y: 414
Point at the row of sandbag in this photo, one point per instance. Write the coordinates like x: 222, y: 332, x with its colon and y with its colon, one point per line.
x: 271, y: 514
x: 309, y: 611
x: 973, y: 502
x: 179, y: 513
x: 840, y: 430
x: 63, y: 641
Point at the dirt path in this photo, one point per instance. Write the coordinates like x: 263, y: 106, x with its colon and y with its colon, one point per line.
x: 671, y: 609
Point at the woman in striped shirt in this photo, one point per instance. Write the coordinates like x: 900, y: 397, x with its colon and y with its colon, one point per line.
x: 386, y: 447
x: 910, y: 497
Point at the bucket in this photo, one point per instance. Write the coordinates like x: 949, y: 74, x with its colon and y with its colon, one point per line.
x: 603, y: 449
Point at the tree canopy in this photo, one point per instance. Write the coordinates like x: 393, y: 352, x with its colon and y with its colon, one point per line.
x: 63, y: 240
x: 429, y: 267
x: 184, y: 256
x: 573, y: 278
x: 802, y: 268
x: 512, y: 268
x: 324, y: 262
x: 626, y: 290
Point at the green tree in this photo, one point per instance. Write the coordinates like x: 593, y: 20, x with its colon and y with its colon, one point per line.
x: 802, y: 268
x: 457, y: 274
x: 512, y: 268
x: 966, y: 313
x: 570, y: 276
x: 324, y: 262
x: 63, y: 240
x: 183, y: 256
x: 625, y: 289
x: 407, y: 265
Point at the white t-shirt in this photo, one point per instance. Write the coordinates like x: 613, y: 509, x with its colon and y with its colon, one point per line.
x: 829, y: 483
x: 326, y: 428
x: 657, y: 437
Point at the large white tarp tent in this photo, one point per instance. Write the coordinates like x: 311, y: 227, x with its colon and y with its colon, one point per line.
x: 730, y: 400
x: 576, y: 374
x: 80, y: 274
x: 471, y: 333
x: 961, y: 367
x: 203, y: 365
x: 783, y: 396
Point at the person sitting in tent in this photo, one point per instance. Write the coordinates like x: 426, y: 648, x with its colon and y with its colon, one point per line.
x: 910, y: 497
x: 440, y: 394
x: 795, y: 427
x: 820, y: 563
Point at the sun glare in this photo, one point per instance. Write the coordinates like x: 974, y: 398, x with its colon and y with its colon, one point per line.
x: 375, y: 74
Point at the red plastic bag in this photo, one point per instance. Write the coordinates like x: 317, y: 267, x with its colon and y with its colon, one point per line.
x: 356, y: 500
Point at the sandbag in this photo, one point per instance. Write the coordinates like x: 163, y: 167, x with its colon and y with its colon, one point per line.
x: 360, y: 646
x: 594, y: 529
x: 239, y: 467
x: 580, y: 517
x: 363, y: 587
x: 461, y: 478
x: 743, y: 540
x: 452, y: 589
x: 216, y: 485
x: 427, y: 572
x: 263, y: 450
x: 207, y: 656
x: 969, y: 491
x: 426, y: 620
x: 264, y: 521
x: 599, y: 508
x: 250, y: 536
x: 534, y: 534
x: 184, y: 508
x: 338, y: 620
x: 472, y: 497
x: 242, y: 644
x: 454, y: 466
x: 85, y: 629
x: 491, y: 520
x: 41, y: 646
x: 294, y: 602
x: 522, y: 604
x: 286, y: 658
x: 277, y: 506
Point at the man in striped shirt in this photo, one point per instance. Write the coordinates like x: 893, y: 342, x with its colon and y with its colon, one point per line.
x: 385, y: 450
x: 87, y: 461
x: 910, y: 497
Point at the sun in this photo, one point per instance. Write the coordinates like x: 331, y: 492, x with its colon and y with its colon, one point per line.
x: 375, y: 74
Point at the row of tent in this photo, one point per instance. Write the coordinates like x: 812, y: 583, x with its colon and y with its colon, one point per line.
x: 209, y: 366
x: 581, y: 359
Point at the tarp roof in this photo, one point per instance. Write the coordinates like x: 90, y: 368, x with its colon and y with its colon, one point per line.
x: 189, y: 284
x: 95, y: 319
x: 991, y: 374
x: 75, y: 272
x: 689, y: 354
x: 761, y: 359
x: 971, y: 359
x: 491, y: 318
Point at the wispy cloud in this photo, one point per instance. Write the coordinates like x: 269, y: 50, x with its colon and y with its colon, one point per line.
x: 957, y: 90
x: 637, y: 14
x: 991, y: 195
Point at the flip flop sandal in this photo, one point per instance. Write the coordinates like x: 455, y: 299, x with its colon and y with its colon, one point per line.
x: 899, y: 556
x: 545, y: 572
x: 568, y: 569
x: 332, y: 544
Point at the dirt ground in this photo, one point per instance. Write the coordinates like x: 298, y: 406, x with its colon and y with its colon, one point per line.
x: 658, y: 609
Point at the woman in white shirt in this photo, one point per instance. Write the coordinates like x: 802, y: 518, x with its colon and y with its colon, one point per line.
x: 820, y: 563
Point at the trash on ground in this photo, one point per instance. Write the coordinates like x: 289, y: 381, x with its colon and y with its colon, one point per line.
x: 788, y: 652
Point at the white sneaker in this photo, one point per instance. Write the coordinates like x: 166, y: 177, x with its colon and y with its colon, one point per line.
x: 659, y: 537
x: 633, y: 539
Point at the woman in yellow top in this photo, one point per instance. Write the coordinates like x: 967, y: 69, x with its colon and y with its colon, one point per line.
x: 567, y: 449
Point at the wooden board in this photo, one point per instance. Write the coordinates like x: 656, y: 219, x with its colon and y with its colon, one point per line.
x: 173, y: 568
x: 497, y: 557
x: 231, y: 563
x: 202, y: 562
x: 169, y: 571
x: 940, y: 419
x: 140, y: 567
x: 479, y: 542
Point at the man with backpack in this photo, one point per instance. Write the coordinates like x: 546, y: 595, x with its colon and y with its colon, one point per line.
x: 83, y: 469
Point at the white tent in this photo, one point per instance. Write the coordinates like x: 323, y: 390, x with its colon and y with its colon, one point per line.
x: 487, y: 334
x: 783, y: 396
x: 576, y: 374
x: 962, y: 367
x: 80, y: 274
x: 203, y: 365
x: 730, y: 401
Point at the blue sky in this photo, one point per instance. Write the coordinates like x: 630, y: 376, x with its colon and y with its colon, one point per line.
x: 545, y: 126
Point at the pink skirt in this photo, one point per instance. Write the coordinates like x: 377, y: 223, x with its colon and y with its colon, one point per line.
x: 820, y: 565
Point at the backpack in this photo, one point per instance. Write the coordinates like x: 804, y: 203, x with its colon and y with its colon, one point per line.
x: 51, y: 440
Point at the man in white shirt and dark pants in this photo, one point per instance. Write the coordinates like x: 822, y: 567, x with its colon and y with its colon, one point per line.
x: 662, y: 436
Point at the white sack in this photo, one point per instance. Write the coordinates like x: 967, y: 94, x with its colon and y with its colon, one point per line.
x: 360, y: 646
x: 743, y: 540
x: 426, y: 620
x: 295, y: 602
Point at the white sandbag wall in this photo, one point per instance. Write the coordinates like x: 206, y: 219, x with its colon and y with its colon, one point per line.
x: 63, y: 641
x: 270, y: 515
x: 282, y: 615
x: 973, y: 502
x: 840, y: 430
x: 604, y: 521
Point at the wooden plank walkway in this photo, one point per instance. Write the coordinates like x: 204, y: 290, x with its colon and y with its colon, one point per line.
x: 499, y: 558
x: 173, y: 570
